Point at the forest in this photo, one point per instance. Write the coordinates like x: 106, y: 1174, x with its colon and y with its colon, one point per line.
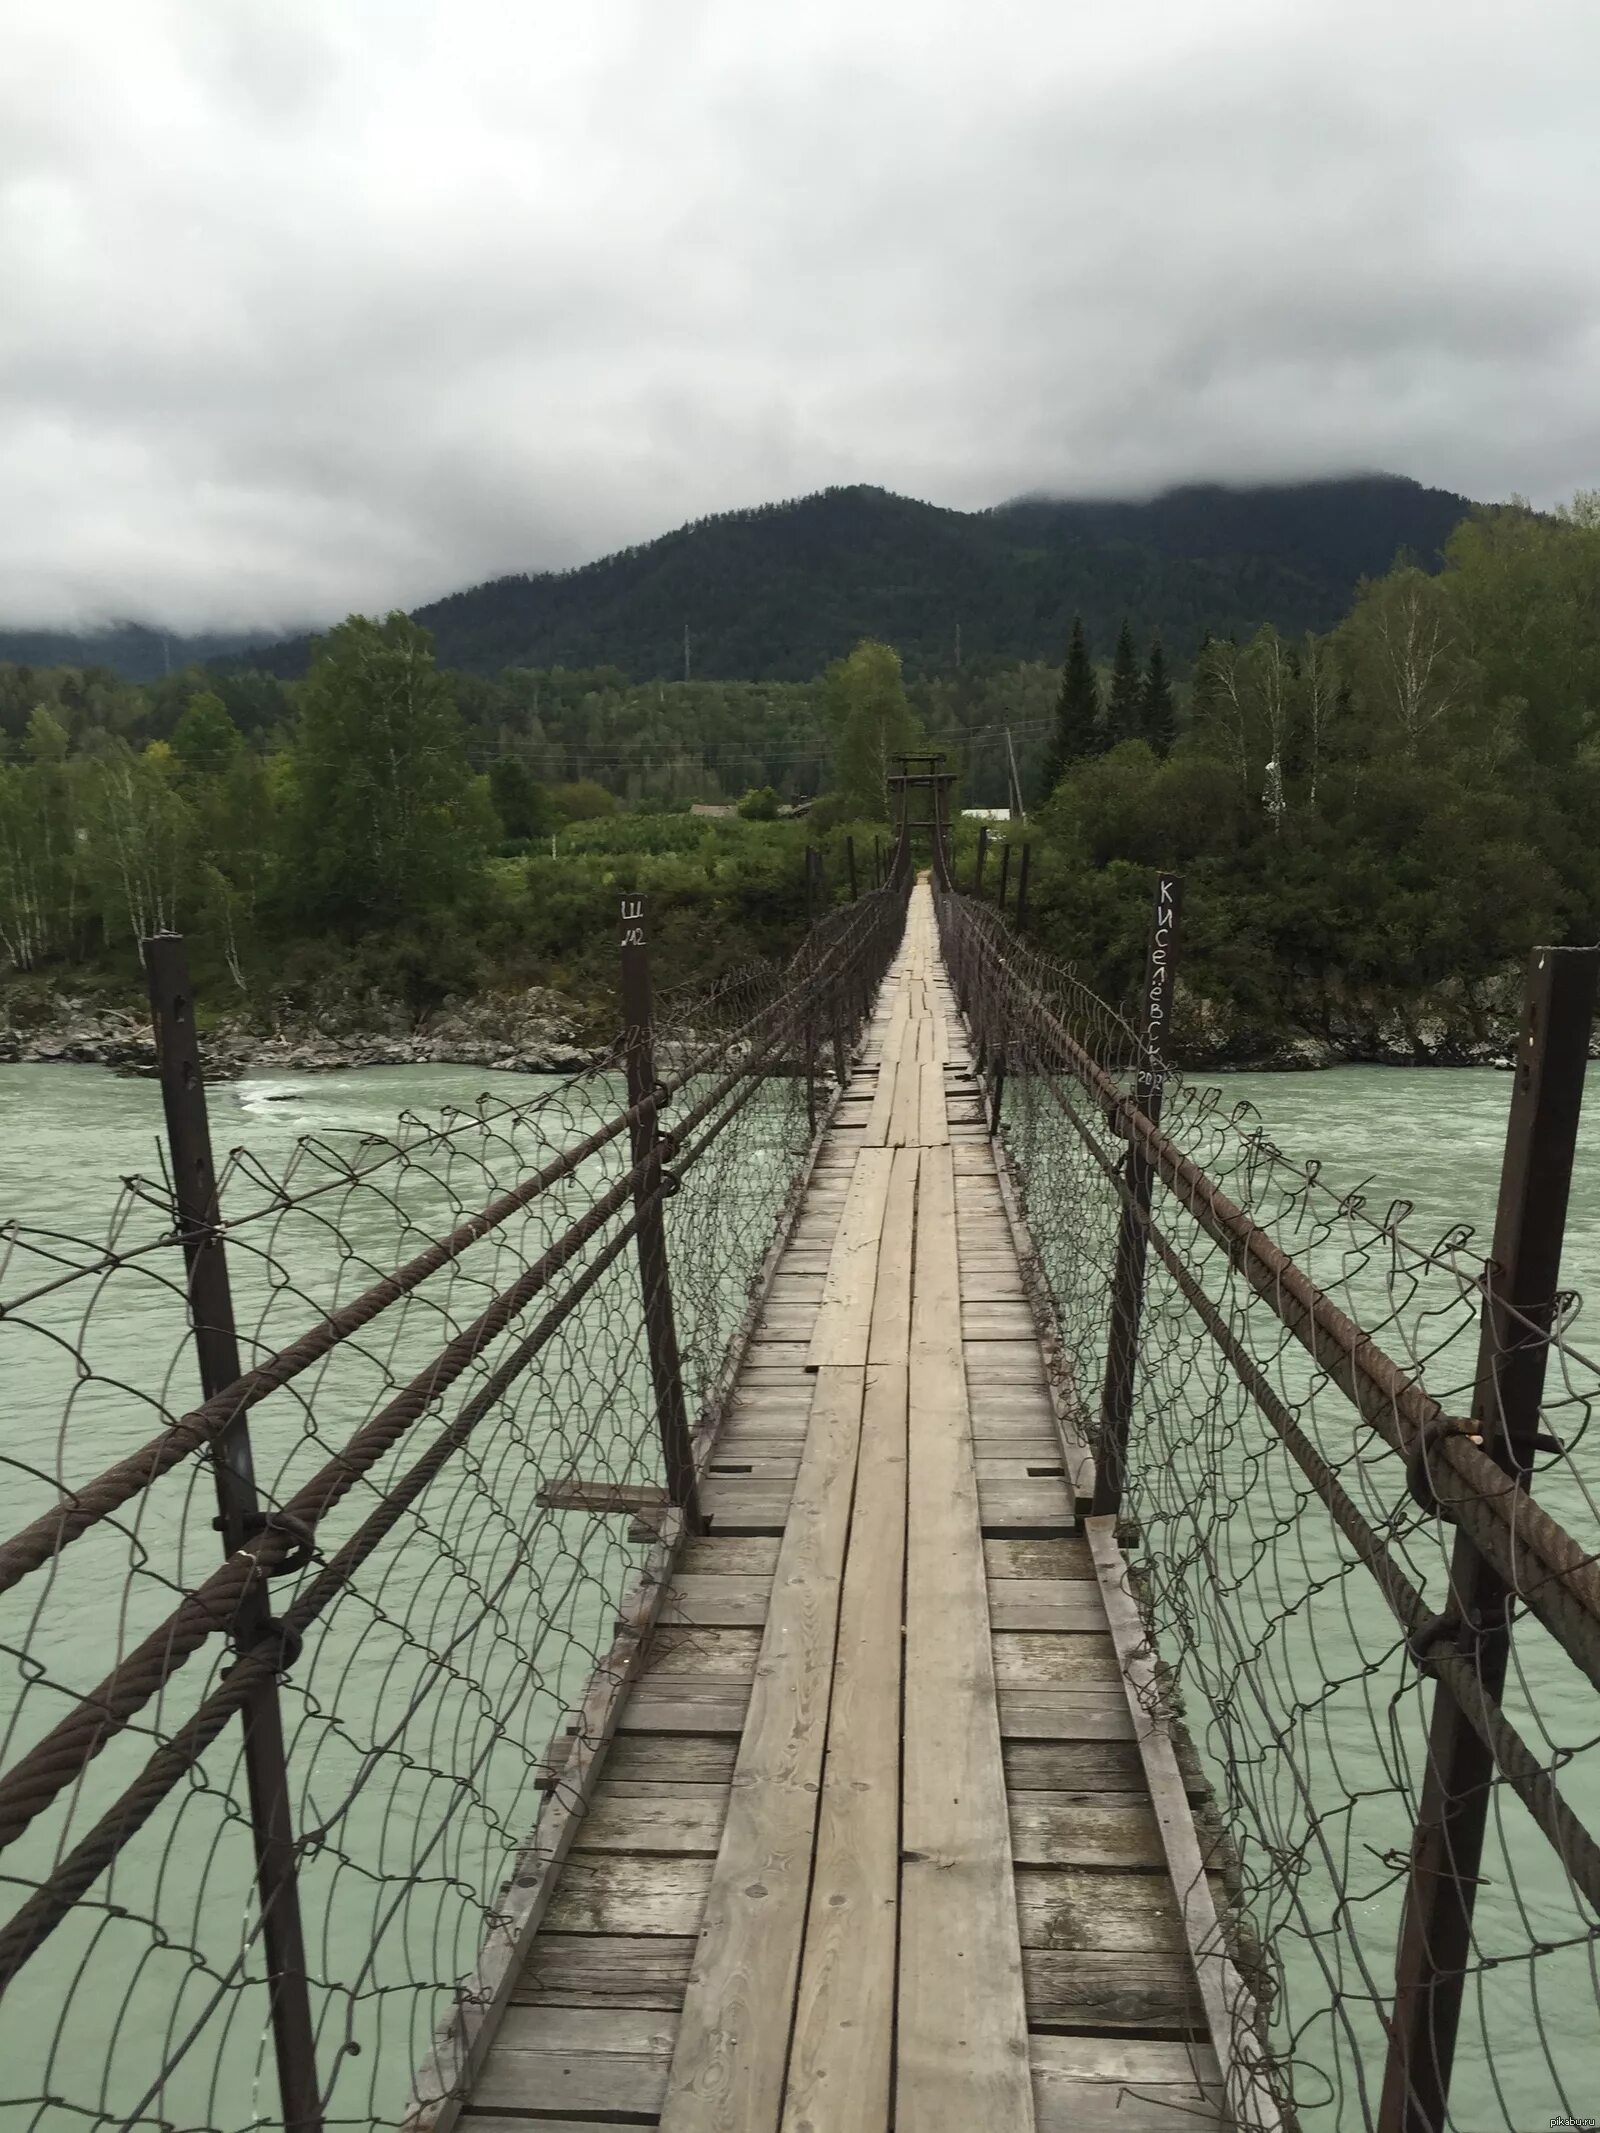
x: 775, y: 593
x: 1374, y: 821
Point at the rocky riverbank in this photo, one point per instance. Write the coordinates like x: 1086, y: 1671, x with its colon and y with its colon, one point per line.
x: 531, y: 1032
x: 539, y: 1031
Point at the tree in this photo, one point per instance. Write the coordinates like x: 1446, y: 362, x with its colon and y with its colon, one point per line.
x: 384, y: 825
x: 205, y: 737
x: 864, y: 704
x: 1124, y: 720
x: 519, y: 799
x: 1404, y: 646
x: 1077, y: 725
x: 585, y: 800
x: 1157, y: 715
x: 760, y: 804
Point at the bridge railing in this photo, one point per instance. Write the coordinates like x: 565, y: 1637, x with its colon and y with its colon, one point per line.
x: 1350, y: 1459
x: 282, y: 1660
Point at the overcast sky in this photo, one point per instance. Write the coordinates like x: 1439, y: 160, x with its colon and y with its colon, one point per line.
x: 308, y: 305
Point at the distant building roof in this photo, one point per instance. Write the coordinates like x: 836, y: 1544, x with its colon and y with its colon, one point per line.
x: 986, y: 814
x: 716, y: 809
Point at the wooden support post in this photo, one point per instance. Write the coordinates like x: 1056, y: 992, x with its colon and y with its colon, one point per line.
x: 1127, y: 1280
x: 983, y: 853
x: 239, y: 1517
x: 1524, y: 1268
x: 850, y: 864
x: 653, y: 1180
x: 1005, y: 875
x: 1019, y: 924
x: 1001, y: 1010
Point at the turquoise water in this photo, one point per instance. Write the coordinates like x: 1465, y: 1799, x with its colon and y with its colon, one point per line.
x: 1309, y: 1716
x: 92, y: 1369
x: 427, y: 1691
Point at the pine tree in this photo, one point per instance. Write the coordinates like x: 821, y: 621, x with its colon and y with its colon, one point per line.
x: 1157, y: 714
x: 1077, y: 727
x: 1124, y: 721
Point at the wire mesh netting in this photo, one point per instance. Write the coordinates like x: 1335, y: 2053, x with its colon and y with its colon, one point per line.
x: 437, y: 1326
x: 1304, y: 1514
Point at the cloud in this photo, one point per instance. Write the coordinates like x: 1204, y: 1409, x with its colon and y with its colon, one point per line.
x: 317, y: 304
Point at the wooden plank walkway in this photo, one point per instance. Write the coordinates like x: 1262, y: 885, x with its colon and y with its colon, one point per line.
x: 873, y: 1845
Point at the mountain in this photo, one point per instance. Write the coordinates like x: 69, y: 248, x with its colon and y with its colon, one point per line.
x: 774, y: 593
x: 127, y: 648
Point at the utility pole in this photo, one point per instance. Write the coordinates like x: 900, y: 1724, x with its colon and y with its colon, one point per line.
x: 686, y: 651
x: 1016, y: 782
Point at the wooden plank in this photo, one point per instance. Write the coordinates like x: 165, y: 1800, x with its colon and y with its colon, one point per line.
x: 1229, y: 2005
x: 1009, y: 1363
x: 961, y: 2048
x: 1065, y: 2106
x: 1082, y: 1829
x: 516, y: 2122
x: 686, y: 1707
x: 1028, y: 1658
x: 1067, y: 1557
x: 574, y: 1493
x: 1114, y: 2084
x: 629, y: 1892
x: 1074, y: 1907
x: 662, y: 1823
x: 1064, y: 1714
x: 752, y: 1554
x: 1126, y: 2060
x: 605, y: 1970
x: 1108, y: 1989
x: 701, y: 1655
x: 1101, y: 1766
x: 728, y: 1602
x: 735, y: 1502
x: 677, y: 1759
x: 580, y: 2060
x: 932, y: 1128
x: 841, y: 2060
x: 845, y: 1318
x: 728, y: 2069
x: 905, y: 1125
x: 890, y: 1338
x: 1039, y: 1507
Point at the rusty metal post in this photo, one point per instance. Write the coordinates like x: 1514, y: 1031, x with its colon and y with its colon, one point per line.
x: 653, y: 1182
x: 983, y: 853
x: 1127, y: 1279
x: 1021, y: 919
x: 239, y: 1517
x: 1435, y: 1946
x: 1005, y: 876
x: 1002, y: 1041
x: 850, y: 864
x: 810, y: 1024
x: 835, y: 1027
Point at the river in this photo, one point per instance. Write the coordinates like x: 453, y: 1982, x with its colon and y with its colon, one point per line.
x: 69, y: 1136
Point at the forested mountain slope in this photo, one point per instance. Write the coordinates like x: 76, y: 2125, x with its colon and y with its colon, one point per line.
x: 777, y: 592
x: 773, y: 594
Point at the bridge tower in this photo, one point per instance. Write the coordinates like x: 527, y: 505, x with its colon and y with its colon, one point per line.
x: 923, y: 773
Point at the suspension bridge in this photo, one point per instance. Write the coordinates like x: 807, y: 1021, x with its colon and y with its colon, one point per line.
x: 883, y: 1560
